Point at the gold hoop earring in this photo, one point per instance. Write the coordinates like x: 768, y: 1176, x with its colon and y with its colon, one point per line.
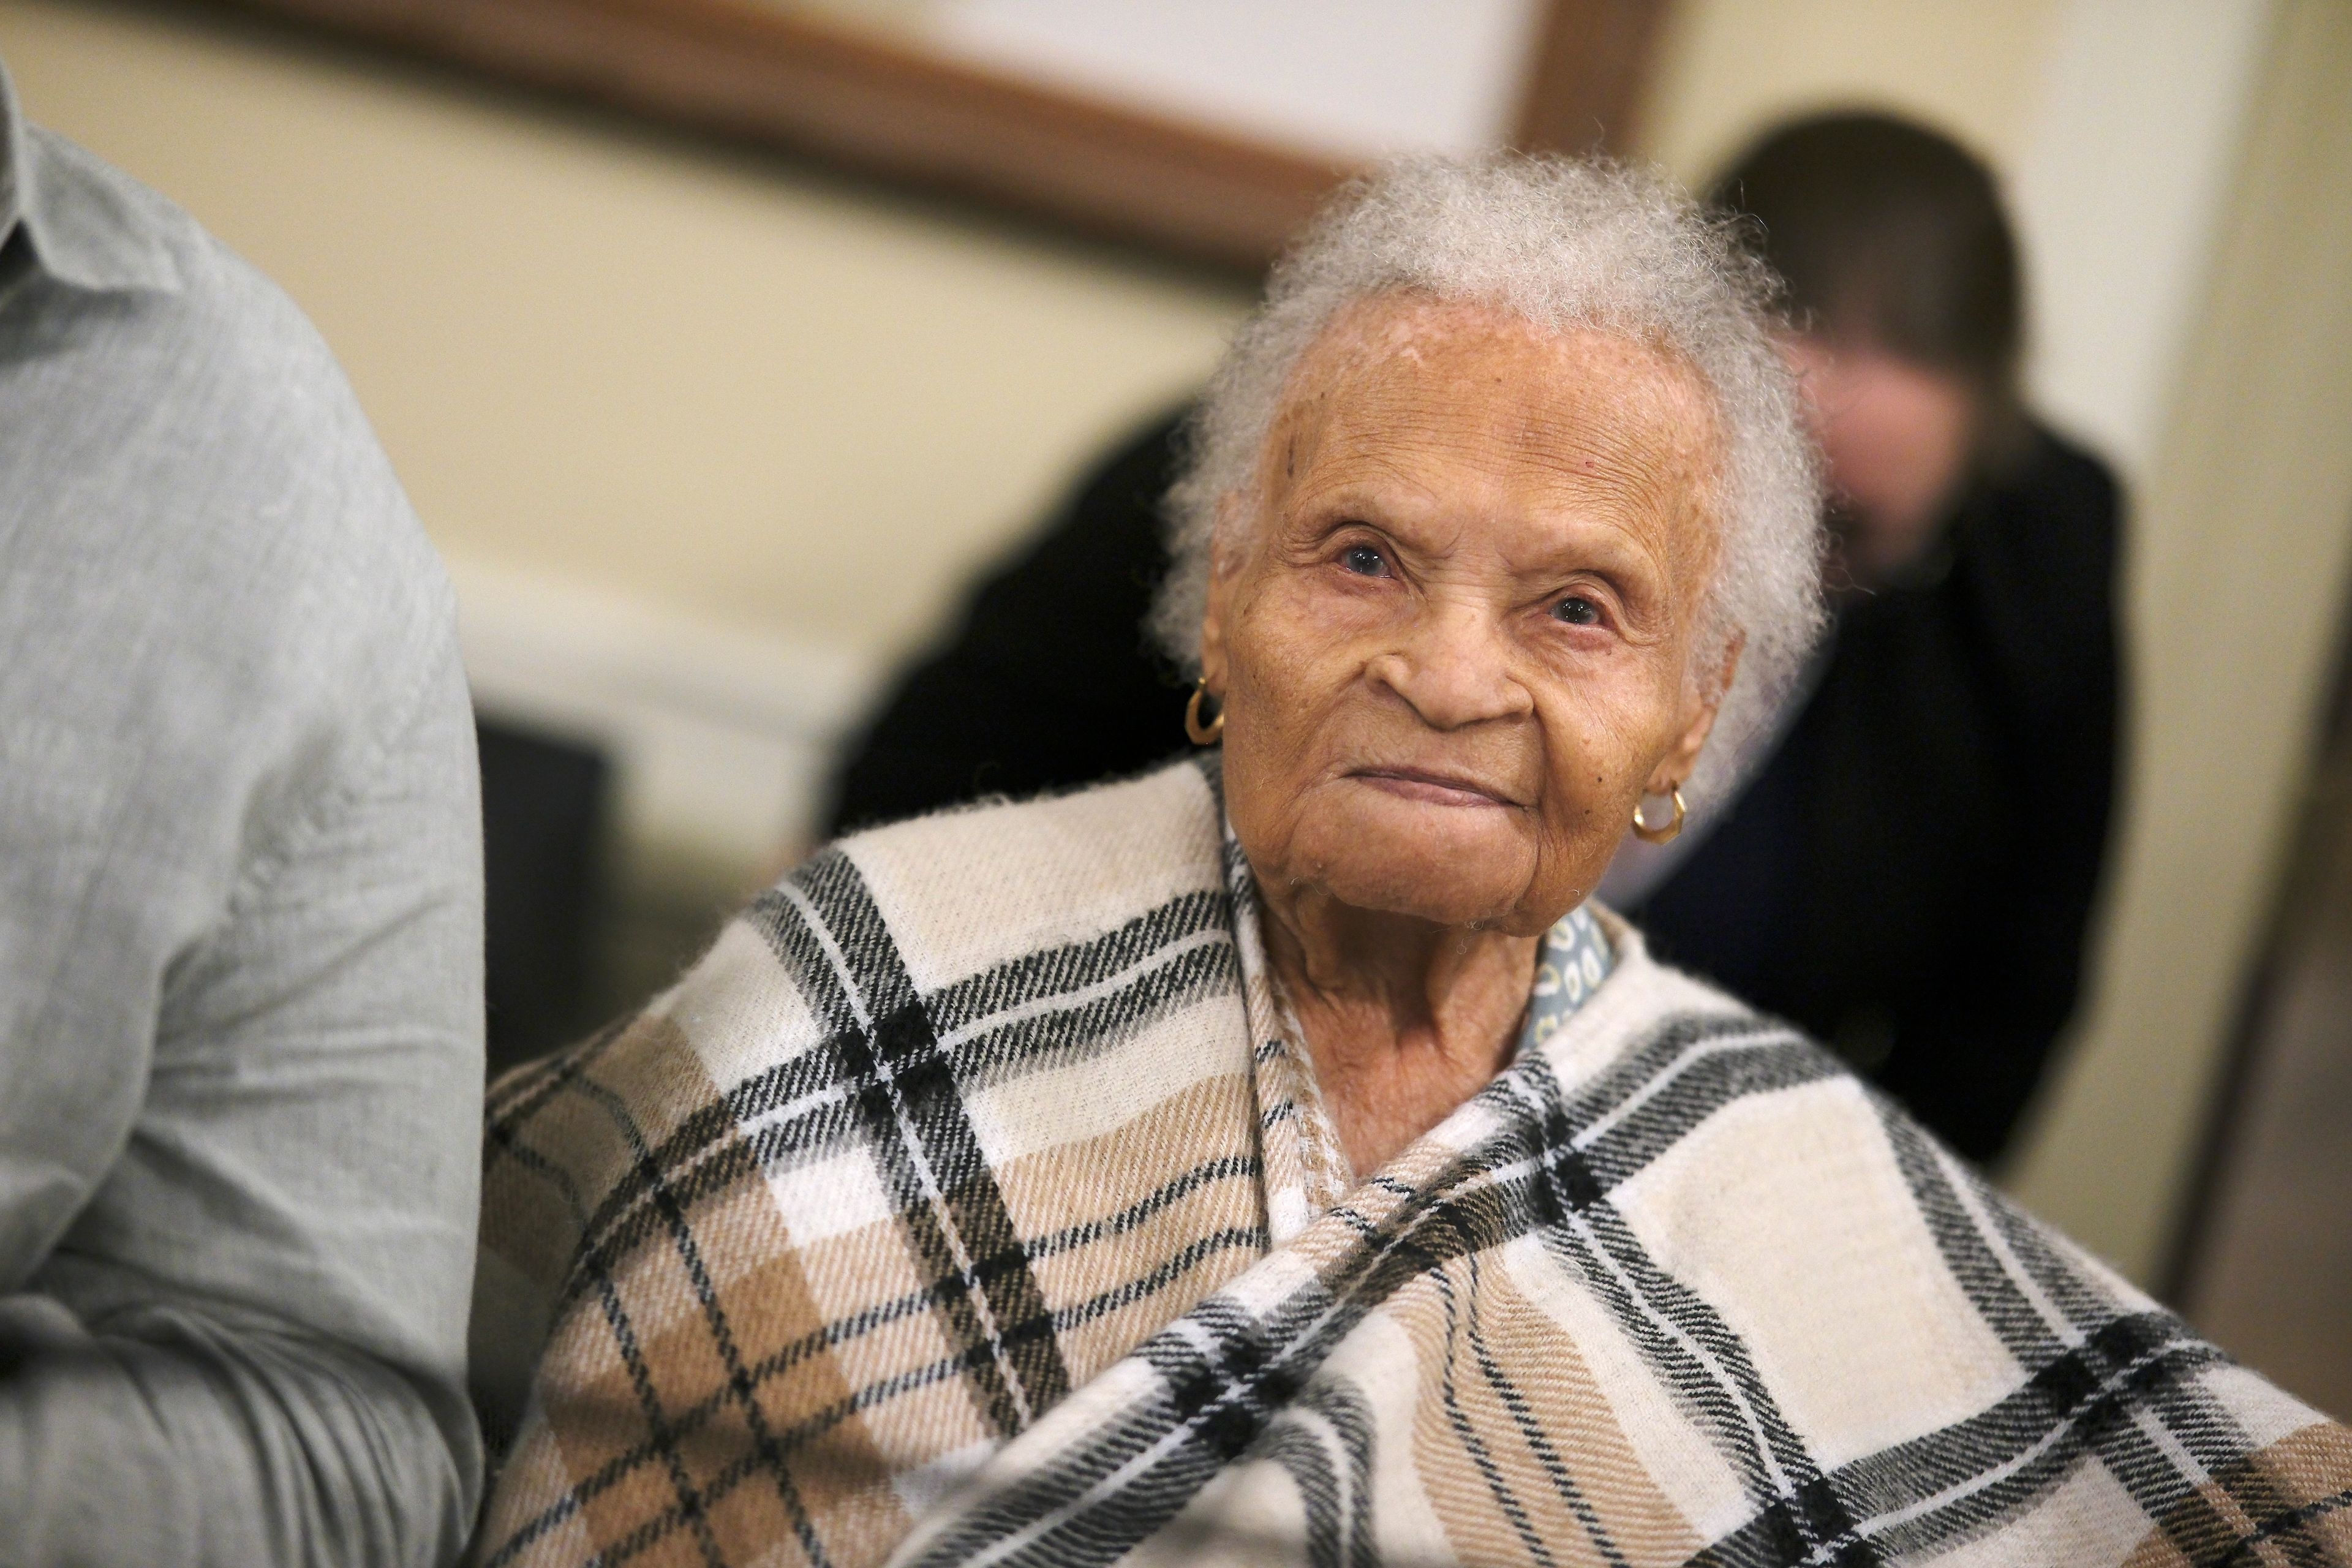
x: 1202, y: 734
x: 1665, y: 833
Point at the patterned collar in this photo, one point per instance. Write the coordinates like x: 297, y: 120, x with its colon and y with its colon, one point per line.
x: 1575, y: 960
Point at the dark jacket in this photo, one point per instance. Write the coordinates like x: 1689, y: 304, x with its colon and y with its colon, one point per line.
x: 1909, y: 875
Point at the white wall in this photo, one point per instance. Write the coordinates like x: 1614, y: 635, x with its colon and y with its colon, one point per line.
x: 1353, y: 79
x: 2121, y: 185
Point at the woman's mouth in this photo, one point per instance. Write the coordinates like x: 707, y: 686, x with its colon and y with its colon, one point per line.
x: 1433, y: 786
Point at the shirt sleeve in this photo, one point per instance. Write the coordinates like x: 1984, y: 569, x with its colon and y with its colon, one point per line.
x: 247, y: 1348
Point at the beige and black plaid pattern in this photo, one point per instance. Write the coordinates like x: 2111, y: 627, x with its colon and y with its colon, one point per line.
x: 821, y: 1225
x: 970, y: 1203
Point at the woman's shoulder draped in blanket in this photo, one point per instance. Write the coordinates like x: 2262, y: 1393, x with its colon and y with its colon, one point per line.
x: 927, y: 1218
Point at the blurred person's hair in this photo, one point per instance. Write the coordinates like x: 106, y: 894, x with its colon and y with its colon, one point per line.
x: 1891, y: 235
x: 1561, y: 243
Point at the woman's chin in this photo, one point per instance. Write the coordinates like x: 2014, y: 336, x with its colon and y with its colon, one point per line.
x: 1446, y: 864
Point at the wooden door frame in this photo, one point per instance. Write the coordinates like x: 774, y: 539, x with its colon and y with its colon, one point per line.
x: 879, y: 107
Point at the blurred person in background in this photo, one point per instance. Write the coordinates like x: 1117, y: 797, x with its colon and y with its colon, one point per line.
x: 240, y: 922
x: 1903, y: 860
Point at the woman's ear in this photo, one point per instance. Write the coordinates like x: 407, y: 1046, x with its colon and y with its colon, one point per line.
x: 1706, y: 702
x: 1225, y: 559
x: 1213, y: 637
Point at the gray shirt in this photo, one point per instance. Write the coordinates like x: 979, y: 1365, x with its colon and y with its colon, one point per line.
x: 240, y: 921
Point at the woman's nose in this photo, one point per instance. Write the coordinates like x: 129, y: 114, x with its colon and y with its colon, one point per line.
x: 1454, y: 668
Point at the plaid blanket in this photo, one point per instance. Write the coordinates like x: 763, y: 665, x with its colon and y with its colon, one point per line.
x: 969, y: 1201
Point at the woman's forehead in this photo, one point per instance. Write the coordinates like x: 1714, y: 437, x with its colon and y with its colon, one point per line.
x: 1399, y: 376
x: 1409, y: 323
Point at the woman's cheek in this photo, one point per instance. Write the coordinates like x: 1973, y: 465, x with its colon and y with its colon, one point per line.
x: 1589, y: 757
x: 1297, y: 635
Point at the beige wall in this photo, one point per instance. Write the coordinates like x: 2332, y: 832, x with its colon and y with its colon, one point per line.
x: 1726, y: 67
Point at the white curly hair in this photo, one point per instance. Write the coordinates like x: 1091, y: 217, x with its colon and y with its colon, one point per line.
x: 1564, y: 243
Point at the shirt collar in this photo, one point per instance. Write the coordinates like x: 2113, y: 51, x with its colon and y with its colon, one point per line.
x: 83, y: 228
x: 1577, y: 956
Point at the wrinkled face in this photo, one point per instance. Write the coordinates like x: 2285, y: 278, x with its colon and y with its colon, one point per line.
x: 1456, y: 631
x: 1894, y: 438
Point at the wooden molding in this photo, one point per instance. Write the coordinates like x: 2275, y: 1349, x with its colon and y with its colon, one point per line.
x: 872, y: 105
x: 746, y: 70
x: 1585, y: 78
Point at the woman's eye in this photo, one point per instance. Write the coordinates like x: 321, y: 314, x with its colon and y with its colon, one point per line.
x: 1578, y: 611
x: 1364, y: 561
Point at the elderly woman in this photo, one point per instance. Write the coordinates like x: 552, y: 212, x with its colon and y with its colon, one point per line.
x: 1277, y: 1155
